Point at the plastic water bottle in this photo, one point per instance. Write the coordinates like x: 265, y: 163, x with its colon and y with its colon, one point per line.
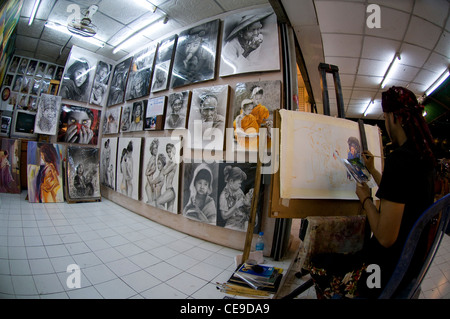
x: 260, y: 242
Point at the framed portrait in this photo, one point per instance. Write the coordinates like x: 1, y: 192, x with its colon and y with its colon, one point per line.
x: 47, y: 115
x: 45, y: 172
x: 41, y: 69
x: 23, y: 66
x: 200, y: 184
x: 236, y: 184
x: 99, y: 93
x: 78, y: 124
x: 163, y: 64
x: 31, y: 70
x: 108, y: 157
x: 14, y: 64
x: 155, y: 108
x: 18, y: 79
x: 137, y: 115
x: 177, y: 110
x: 195, y: 55
x: 141, y: 72
x: 128, y: 168
x: 82, y: 174
x: 207, y: 117
x: 78, y: 75
x: 250, y: 42
x: 254, y: 103
x: 160, y: 174
x: 125, y: 118
x: 116, y: 93
x: 111, y: 120
x: 10, y: 165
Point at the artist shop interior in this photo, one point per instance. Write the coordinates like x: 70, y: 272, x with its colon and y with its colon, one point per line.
x: 213, y: 149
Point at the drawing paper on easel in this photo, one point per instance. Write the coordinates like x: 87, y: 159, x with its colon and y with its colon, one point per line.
x: 308, y: 169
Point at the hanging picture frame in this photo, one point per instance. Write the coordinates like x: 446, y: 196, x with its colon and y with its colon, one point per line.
x: 155, y: 113
x: 207, y: 117
x: 250, y: 42
x: 10, y: 165
x: 99, y: 93
x: 163, y: 64
x: 108, y: 157
x: 160, y: 174
x: 82, y: 174
x: 128, y: 166
x: 111, y: 120
x: 79, y: 124
x: 116, y: 93
x: 140, y: 78
x: 47, y: 115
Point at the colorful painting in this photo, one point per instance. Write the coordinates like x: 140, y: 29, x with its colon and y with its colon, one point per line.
x: 83, y: 174
x: 45, y: 172
x: 155, y: 108
x: 195, y: 55
x: 161, y: 172
x: 79, y: 124
x: 47, y: 114
x: 78, y: 76
x: 10, y: 166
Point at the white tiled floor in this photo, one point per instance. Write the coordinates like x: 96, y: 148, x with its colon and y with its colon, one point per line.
x: 124, y: 255
x: 120, y: 254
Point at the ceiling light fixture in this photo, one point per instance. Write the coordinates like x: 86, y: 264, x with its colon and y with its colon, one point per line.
x: 391, y: 68
x: 63, y: 29
x: 34, y: 11
x: 368, y: 107
x: 146, y: 4
x: 144, y: 31
x: 438, y: 82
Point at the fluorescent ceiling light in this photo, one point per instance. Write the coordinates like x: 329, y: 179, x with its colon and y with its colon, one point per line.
x: 368, y: 107
x: 392, y: 67
x: 33, y: 12
x: 63, y: 29
x: 146, y: 31
x: 438, y: 82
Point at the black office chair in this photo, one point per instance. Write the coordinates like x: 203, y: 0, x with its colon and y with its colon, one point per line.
x: 396, y: 288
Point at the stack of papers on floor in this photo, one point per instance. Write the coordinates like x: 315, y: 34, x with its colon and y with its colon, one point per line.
x: 257, y: 277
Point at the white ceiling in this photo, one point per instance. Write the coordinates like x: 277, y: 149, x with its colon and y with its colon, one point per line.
x: 333, y: 32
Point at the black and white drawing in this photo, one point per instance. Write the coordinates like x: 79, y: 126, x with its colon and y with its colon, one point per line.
x: 137, y: 115
x: 118, y: 83
x: 100, y: 87
x: 250, y: 42
x: 108, y: 157
x: 163, y: 64
x: 47, y: 116
x: 111, y: 121
x: 125, y: 118
x: 161, y: 172
x: 176, y: 111
x: 200, y: 185
x: 128, y: 168
x: 141, y: 73
x: 155, y: 108
x: 195, y: 54
x: 208, y: 112
x: 83, y: 173
x: 78, y: 76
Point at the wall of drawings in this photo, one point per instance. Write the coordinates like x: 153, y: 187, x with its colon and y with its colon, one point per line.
x: 155, y: 130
